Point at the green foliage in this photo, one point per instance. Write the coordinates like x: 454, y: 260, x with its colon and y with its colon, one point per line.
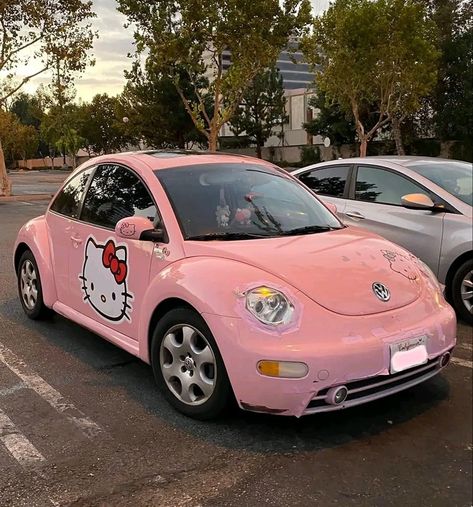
x: 193, y: 35
x: 310, y: 155
x: 330, y: 121
x: 262, y: 108
x: 367, y: 53
x: 18, y: 141
x: 425, y: 147
x: 100, y: 123
x: 453, y: 96
x: 462, y: 150
x: 55, y: 30
x: 155, y: 111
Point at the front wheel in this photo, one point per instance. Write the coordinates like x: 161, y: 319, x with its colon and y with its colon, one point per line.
x: 30, y: 289
x: 187, y: 365
x: 462, y: 291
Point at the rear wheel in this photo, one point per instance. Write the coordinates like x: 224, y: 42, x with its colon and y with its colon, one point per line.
x: 30, y: 289
x: 462, y: 291
x: 187, y: 365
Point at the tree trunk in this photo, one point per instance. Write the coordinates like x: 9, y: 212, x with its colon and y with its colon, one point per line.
x: 397, y: 134
x: 5, y: 183
x: 213, y: 139
x: 258, y: 149
x: 363, y: 147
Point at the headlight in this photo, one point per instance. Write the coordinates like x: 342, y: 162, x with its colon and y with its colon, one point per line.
x: 269, y: 306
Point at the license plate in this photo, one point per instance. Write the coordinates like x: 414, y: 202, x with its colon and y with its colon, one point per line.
x: 408, y: 353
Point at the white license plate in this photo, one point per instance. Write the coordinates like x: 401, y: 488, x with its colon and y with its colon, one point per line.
x: 408, y: 353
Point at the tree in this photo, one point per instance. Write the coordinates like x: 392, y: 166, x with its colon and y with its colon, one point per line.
x: 453, y: 95
x: 378, y: 52
x: 19, y: 140
x: 194, y: 36
x: 101, y: 124
x: 155, y: 111
x: 330, y: 121
x: 51, y: 30
x: 262, y: 108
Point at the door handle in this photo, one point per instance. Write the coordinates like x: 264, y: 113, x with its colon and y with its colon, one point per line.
x: 76, y: 240
x: 355, y: 215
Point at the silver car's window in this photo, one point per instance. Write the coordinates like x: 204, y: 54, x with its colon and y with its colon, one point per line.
x: 328, y: 181
x: 377, y: 185
x: 241, y: 201
x: 455, y: 177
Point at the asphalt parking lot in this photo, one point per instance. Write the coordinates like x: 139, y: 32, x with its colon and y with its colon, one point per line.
x: 87, y: 426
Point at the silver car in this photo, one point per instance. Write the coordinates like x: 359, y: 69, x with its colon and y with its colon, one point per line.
x: 424, y: 204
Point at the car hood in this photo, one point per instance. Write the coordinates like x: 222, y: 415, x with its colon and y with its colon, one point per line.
x: 336, y: 269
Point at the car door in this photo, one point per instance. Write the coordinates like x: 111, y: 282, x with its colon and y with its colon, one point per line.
x: 108, y: 275
x: 375, y: 204
x: 329, y: 183
x: 60, y: 217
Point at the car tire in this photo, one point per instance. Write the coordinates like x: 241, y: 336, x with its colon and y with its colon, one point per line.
x: 187, y: 365
x: 30, y: 289
x: 461, y: 283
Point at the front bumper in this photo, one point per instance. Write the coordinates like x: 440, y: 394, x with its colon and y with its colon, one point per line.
x: 339, y: 350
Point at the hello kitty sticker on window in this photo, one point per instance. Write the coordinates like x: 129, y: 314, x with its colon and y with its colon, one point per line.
x: 104, y: 279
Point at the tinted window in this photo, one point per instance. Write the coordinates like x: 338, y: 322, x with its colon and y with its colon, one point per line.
x: 116, y: 193
x: 330, y: 181
x: 69, y: 198
x: 453, y: 176
x: 219, y: 200
x: 378, y: 185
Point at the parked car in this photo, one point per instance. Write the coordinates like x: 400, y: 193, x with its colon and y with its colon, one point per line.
x: 231, y: 278
x: 421, y: 203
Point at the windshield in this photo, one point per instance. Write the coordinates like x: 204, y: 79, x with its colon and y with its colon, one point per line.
x: 453, y: 176
x: 241, y: 201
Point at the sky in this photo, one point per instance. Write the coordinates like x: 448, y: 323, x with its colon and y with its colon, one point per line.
x: 110, y: 53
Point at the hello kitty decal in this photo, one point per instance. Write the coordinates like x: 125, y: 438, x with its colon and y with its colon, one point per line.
x: 399, y: 264
x: 104, y: 279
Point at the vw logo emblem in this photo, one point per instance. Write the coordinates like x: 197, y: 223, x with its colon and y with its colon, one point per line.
x: 381, y: 291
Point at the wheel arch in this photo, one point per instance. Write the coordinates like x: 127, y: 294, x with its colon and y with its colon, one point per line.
x: 453, y: 269
x: 19, y: 251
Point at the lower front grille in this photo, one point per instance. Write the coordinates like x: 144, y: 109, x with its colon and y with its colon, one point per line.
x: 369, y: 389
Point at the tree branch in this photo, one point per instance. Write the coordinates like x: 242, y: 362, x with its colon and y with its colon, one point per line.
x: 22, y: 82
x: 4, y: 60
x: 190, y: 112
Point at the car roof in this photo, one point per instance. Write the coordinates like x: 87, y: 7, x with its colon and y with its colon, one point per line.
x: 403, y: 160
x: 164, y: 159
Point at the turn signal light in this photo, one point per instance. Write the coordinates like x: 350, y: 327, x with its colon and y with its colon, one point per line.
x: 283, y: 369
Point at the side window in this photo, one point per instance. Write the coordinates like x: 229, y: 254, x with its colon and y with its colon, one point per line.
x: 68, y: 200
x: 116, y: 193
x: 377, y: 185
x: 329, y: 181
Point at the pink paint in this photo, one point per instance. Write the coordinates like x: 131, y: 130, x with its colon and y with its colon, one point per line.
x: 339, y: 328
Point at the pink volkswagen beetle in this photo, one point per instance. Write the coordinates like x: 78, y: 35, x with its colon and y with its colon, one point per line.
x: 232, y: 279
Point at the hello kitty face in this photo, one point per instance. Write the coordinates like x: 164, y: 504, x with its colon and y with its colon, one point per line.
x: 400, y: 264
x: 103, y: 279
x: 127, y: 229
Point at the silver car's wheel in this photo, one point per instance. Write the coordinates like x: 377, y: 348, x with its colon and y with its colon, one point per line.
x: 462, y: 291
x: 188, y: 364
x: 29, y: 284
x: 467, y: 291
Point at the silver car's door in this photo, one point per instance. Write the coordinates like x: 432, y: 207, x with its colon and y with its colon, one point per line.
x: 329, y: 183
x: 375, y: 204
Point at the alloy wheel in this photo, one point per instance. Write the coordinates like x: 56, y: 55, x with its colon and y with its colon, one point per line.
x: 188, y: 364
x: 29, y: 284
x: 467, y: 291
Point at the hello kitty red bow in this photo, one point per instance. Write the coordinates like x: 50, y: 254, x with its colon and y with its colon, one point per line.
x: 111, y: 261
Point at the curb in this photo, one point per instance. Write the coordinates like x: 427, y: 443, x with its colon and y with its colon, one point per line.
x: 26, y: 197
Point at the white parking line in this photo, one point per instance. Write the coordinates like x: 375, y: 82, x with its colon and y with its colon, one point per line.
x: 465, y: 346
x: 462, y: 362
x: 17, y: 444
x: 48, y: 393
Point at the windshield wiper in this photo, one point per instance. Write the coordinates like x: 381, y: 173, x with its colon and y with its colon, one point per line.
x: 309, y: 229
x: 226, y: 236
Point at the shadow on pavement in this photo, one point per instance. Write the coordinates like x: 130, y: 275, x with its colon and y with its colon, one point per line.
x: 237, y: 430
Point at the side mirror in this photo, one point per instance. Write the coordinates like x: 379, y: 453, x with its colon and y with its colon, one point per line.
x: 332, y: 207
x: 417, y: 201
x: 139, y: 228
